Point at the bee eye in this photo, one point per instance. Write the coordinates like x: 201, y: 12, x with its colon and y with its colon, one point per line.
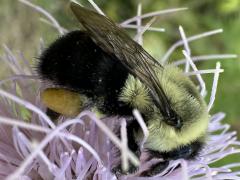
x: 178, y: 121
x: 174, y: 121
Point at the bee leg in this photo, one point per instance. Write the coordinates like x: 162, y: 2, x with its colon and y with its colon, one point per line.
x: 52, y: 114
x: 155, y: 169
x: 132, y: 126
x: 119, y: 172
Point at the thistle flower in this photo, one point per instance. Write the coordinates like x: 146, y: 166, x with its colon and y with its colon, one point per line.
x: 33, y: 147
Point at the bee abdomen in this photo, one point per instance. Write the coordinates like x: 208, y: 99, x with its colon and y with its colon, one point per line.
x: 75, y: 62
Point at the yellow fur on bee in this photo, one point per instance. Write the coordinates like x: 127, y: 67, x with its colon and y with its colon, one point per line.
x: 63, y: 101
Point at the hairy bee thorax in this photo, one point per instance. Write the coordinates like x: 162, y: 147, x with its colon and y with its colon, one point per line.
x: 185, y: 100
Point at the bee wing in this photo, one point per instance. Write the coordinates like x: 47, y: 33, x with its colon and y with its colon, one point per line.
x: 114, y: 40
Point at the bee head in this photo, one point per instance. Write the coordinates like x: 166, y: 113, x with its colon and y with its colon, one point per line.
x: 182, y: 123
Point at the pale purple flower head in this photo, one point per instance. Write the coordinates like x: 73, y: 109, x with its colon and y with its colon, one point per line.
x: 33, y: 147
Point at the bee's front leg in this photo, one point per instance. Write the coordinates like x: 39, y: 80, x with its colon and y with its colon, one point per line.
x: 155, y: 169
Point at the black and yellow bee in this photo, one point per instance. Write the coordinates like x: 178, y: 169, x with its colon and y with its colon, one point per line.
x: 102, y: 67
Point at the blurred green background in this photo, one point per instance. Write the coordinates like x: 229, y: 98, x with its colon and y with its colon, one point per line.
x: 21, y: 30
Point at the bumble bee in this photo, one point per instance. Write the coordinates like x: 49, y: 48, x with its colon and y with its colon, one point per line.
x: 103, y: 67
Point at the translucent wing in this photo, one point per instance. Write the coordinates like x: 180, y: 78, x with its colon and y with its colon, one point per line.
x: 114, y: 40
